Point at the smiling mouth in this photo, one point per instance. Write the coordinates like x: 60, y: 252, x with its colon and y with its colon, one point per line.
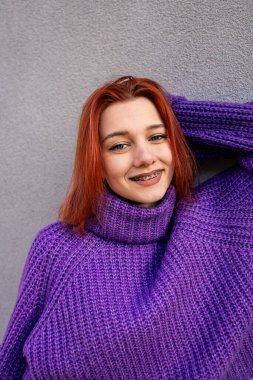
x: 146, y: 178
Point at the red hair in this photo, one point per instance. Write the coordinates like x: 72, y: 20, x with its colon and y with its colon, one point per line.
x: 87, y: 186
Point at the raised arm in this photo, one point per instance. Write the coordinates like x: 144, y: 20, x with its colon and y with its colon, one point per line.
x: 217, y: 129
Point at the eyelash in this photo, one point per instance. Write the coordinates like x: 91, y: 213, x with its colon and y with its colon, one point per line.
x: 115, y: 146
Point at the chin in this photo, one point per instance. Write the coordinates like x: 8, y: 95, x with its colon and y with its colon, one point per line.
x: 150, y: 200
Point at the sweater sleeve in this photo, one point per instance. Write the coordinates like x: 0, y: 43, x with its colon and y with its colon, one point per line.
x: 217, y: 129
x: 27, y: 310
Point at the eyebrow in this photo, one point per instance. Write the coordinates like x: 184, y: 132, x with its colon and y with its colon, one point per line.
x: 124, y: 133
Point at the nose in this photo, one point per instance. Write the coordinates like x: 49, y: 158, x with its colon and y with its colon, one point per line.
x: 143, y: 156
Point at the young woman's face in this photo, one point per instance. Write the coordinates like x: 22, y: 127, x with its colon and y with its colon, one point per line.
x: 134, y: 143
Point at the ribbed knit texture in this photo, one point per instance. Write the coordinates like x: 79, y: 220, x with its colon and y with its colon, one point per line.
x: 150, y: 293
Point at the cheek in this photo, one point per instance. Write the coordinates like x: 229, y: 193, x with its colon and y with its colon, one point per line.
x: 115, y: 167
x: 170, y: 158
x: 166, y: 155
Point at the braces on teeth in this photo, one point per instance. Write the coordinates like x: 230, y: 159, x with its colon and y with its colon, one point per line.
x: 147, y: 177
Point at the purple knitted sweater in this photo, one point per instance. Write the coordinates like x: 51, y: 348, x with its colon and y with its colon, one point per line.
x: 150, y: 293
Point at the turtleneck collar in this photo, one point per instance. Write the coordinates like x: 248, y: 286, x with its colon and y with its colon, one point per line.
x: 125, y: 222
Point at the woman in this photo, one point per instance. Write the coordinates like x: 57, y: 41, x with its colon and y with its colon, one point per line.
x: 143, y: 277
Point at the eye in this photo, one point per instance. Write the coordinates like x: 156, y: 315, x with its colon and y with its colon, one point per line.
x: 158, y: 137
x: 117, y: 147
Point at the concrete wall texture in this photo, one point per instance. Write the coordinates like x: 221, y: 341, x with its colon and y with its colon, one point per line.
x: 54, y: 53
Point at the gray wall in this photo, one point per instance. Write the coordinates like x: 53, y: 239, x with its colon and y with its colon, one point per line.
x: 54, y: 53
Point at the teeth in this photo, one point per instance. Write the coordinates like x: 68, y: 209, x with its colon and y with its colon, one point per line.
x: 146, y: 177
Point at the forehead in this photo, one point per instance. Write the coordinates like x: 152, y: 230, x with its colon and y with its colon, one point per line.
x: 137, y: 112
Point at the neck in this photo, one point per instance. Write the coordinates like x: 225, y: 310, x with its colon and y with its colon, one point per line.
x: 124, y: 221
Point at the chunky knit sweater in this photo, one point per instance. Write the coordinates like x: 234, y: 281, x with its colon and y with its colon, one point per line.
x: 150, y: 293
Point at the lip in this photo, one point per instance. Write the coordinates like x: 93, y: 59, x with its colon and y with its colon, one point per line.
x: 145, y: 174
x: 149, y: 182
